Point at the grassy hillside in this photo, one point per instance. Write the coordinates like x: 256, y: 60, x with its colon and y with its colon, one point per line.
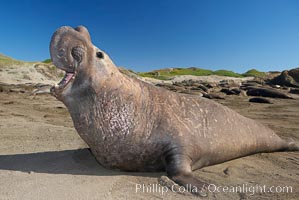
x: 255, y: 73
x: 5, y: 60
x: 47, y: 60
x: 165, y: 74
x: 227, y: 73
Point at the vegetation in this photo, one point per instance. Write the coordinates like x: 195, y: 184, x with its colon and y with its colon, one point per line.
x: 5, y: 60
x: 227, y: 73
x: 164, y: 74
x: 189, y: 71
x: 255, y: 73
x: 47, y: 61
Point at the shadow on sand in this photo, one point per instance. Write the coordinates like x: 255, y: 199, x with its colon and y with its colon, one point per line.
x: 75, y: 162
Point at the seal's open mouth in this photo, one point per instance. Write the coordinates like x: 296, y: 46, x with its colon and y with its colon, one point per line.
x: 58, y: 88
x: 66, y: 79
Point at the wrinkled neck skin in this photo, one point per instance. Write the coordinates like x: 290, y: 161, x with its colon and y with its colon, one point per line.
x: 97, y: 76
x: 103, y: 101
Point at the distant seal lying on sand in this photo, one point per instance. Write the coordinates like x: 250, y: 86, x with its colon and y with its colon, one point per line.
x: 134, y: 126
x: 266, y: 92
x: 260, y: 100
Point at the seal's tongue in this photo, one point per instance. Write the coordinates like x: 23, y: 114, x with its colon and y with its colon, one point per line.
x: 67, y: 77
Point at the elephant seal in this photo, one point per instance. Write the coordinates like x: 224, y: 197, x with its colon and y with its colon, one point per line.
x: 135, y: 126
x: 266, y: 92
x: 260, y: 100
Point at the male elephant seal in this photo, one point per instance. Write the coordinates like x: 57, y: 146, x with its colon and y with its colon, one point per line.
x: 135, y: 126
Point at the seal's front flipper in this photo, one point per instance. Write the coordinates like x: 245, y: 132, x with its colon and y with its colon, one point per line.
x: 178, y: 168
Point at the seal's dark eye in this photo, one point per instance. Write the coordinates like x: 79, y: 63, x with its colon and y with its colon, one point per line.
x: 77, y: 53
x: 100, y: 55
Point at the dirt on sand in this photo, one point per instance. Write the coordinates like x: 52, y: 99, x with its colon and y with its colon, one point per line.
x: 42, y: 157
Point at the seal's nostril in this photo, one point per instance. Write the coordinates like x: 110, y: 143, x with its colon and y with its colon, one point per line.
x: 61, y: 53
x: 77, y: 53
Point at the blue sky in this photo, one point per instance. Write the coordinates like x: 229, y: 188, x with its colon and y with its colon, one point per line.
x: 150, y: 34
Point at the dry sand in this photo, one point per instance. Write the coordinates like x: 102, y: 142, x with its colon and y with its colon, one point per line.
x: 42, y: 156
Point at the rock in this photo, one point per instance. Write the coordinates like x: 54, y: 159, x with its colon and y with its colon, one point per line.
x: 49, y: 71
x: 260, y: 100
x: 288, y: 78
x: 294, y: 91
x: 265, y: 92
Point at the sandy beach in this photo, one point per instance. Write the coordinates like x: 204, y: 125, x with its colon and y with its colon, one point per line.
x: 42, y: 157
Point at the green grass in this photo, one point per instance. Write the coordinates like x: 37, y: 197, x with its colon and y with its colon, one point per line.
x: 165, y: 74
x: 47, y: 60
x: 227, y: 73
x: 255, y: 73
x: 189, y: 71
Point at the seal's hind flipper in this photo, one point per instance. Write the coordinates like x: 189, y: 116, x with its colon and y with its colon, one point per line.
x: 192, y: 184
x: 170, y: 184
x: 178, y: 168
x: 292, y: 145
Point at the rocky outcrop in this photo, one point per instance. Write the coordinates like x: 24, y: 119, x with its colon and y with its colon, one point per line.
x: 289, y: 78
x: 49, y: 71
